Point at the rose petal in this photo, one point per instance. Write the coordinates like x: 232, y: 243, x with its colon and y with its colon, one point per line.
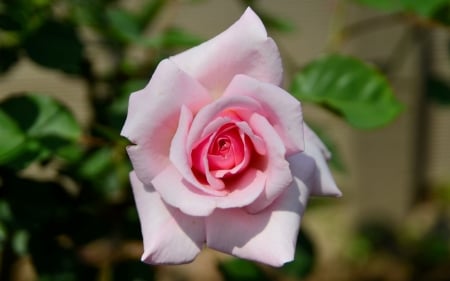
x: 276, y: 167
x: 153, y: 115
x: 245, y: 188
x: 281, y: 109
x: 242, y: 48
x: 170, y: 237
x: 201, y: 127
x: 311, y: 166
x: 268, y: 237
x: 179, y: 193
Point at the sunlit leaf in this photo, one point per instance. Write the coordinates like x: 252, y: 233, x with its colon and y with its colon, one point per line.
x: 34, y: 127
x: 12, y: 138
x: 355, y: 90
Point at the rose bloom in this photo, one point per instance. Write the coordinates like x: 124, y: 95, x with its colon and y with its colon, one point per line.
x: 220, y: 153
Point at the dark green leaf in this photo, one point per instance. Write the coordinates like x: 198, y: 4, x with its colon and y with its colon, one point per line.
x: 134, y: 270
x: 150, y: 11
x: 439, y: 91
x: 12, y: 139
x: 384, y: 5
x: 56, y: 45
x: 8, y: 57
x: 172, y: 38
x: 304, y: 260
x: 277, y: 23
x: 20, y: 242
x: 124, y: 25
x: 350, y: 87
x: 241, y: 270
x: 35, y: 127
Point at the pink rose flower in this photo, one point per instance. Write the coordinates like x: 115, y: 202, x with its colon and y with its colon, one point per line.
x: 220, y: 153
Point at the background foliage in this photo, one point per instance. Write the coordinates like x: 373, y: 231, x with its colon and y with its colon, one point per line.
x: 79, y: 223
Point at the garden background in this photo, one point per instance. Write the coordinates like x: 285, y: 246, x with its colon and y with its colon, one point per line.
x: 66, y: 211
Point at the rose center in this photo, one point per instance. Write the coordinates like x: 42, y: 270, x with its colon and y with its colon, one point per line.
x: 222, y: 146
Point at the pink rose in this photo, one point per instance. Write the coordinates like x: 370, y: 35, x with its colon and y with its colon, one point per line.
x: 221, y: 156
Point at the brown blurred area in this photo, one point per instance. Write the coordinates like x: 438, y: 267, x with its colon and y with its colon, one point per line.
x: 385, y: 169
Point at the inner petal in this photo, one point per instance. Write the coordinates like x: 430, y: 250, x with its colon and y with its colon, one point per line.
x: 227, y: 149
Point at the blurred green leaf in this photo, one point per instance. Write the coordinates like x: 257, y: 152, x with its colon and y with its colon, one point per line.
x: 149, y: 12
x: 20, y: 242
x: 8, y: 57
x: 46, y: 127
x: 56, y: 45
x: 384, y: 5
x: 133, y: 270
x: 423, y: 8
x: 277, y: 22
x: 439, y: 91
x: 96, y: 163
x: 304, y: 259
x: 172, y: 38
x: 11, y: 138
x: 124, y: 25
x: 241, y: 270
x: 350, y: 87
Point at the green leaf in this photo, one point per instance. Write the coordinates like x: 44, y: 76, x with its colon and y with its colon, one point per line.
x: 124, y: 25
x: 12, y: 139
x: 241, y: 270
x: 56, y: 45
x: 353, y: 89
x: 8, y: 57
x: 34, y: 127
x: 439, y: 91
x: 277, y: 23
x: 384, y: 5
x: 20, y: 242
x: 172, y: 38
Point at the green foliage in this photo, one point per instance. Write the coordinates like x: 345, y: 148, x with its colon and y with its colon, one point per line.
x: 304, y: 259
x: 55, y: 45
x: 351, y: 88
x: 438, y: 10
x: 34, y: 127
x: 241, y: 270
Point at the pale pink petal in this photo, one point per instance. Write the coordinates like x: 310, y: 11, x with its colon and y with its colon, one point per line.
x: 311, y: 166
x: 170, y: 237
x: 181, y: 157
x: 243, y: 48
x: 280, y: 108
x: 179, y: 193
x: 153, y: 115
x: 201, y: 127
x: 268, y: 237
x: 275, y: 166
x: 244, y: 189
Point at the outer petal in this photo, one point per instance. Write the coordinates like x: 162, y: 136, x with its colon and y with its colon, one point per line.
x: 268, y: 237
x: 179, y: 193
x: 153, y: 115
x: 280, y: 108
x: 242, y: 48
x: 311, y: 166
x: 170, y: 237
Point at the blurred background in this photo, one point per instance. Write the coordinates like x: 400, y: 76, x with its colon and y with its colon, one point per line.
x: 67, y: 68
